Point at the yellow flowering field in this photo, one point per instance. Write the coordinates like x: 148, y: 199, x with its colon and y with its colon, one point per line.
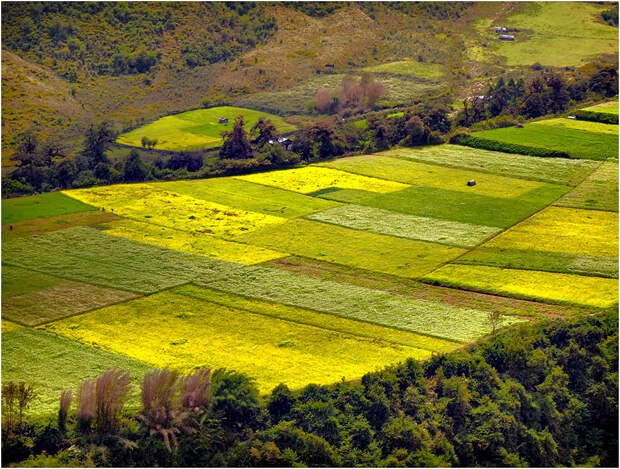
x: 313, y: 178
x: 556, y: 287
x: 563, y: 229
x: 431, y: 175
x: 145, y: 203
x: 196, y: 243
x: 178, y: 332
x: 8, y: 326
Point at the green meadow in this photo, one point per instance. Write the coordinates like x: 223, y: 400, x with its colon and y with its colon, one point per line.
x: 39, y: 206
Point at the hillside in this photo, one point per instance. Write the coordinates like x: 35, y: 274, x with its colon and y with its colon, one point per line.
x: 131, y: 63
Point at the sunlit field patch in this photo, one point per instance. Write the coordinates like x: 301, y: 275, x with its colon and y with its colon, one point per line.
x: 433, y: 318
x: 90, y: 256
x: 568, y: 230
x: 179, y: 332
x: 196, y: 129
x: 610, y: 107
x: 52, y: 363
x: 314, y: 178
x: 318, y: 319
x: 553, y: 170
x: 547, y: 286
x: 143, y: 202
x: 195, y: 243
x: 17, y: 281
x: 388, y: 254
x: 58, y: 301
x: 406, y: 226
x: 248, y: 196
x: 8, y: 326
x: 580, y: 125
x: 598, y: 191
x: 422, y: 174
x: 409, y: 67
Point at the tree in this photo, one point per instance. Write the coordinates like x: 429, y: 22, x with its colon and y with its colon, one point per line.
x: 236, y: 144
x: 495, y: 319
x: 97, y: 142
x: 262, y: 132
x: 134, y: 168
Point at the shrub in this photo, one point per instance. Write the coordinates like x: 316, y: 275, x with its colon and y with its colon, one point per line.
x: 477, y: 142
x: 594, y: 116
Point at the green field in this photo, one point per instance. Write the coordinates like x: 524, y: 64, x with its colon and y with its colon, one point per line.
x: 194, y: 130
x: 406, y: 226
x: 52, y: 363
x: 610, y: 107
x: 588, y: 126
x: 555, y: 34
x: 454, y: 205
x: 409, y: 68
x: 598, y: 191
x: 39, y: 206
x: 553, y: 170
x: 380, y: 253
x: 577, y: 143
x: 248, y: 196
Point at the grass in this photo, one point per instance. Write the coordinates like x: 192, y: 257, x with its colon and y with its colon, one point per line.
x: 313, y: 178
x: 142, y: 202
x: 552, y: 170
x: 194, y: 130
x: 458, y: 206
x: 8, y: 326
x: 363, y: 304
x: 543, y: 260
x: 429, y: 175
x: 43, y: 225
x: 77, y: 253
x: 195, y: 243
x: 317, y: 319
x: 406, y: 226
x: 421, y: 291
x: 181, y: 332
x: 610, y: 107
x: 564, y: 230
x: 545, y: 286
x: 58, y: 301
x: 598, y: 191
x: 588, y: 126
x: 248, y: 196
x: 409, y: 68
x: 52, y: 363
x: 562, y: 34
x: 396, y: 256
x: 577, y: 143
x: 40, y: 206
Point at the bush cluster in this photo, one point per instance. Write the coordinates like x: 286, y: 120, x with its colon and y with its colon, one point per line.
x: 486, y: 144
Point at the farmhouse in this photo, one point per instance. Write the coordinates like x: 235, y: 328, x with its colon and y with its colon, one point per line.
x: 223, y: 120
x: 285, y: 142
x: 506, y: 37
x: 501, y: 29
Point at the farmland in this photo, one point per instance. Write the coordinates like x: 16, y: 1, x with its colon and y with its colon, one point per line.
x: 409, y: 67
x: 610, y: 107
x: 308, y: 274
x: 576, y: 142
x: 194, y: 130
x: 42, y: 205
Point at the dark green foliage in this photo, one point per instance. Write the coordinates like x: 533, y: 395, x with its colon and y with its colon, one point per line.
x: 611, y: 16
x: 98, y: 140
x: 235, y: 399
x: 134, y: 168
x: 486, y: 144
x: 594, y: 116
x: 236, y: 145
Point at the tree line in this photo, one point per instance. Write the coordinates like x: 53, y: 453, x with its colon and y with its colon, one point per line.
x: 543, y: 394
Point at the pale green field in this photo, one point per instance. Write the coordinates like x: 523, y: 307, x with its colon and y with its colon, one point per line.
x: 409, y: 67
x: 588, y: 126
x: 564, y: 33
x: 193, y: 130
x: 610, y: 107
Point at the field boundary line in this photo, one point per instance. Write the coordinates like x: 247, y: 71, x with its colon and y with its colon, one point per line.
x: 585, y: 274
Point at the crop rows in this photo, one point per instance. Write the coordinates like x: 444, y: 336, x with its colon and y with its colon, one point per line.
x: 551, y: 170
x: 180, y: 332
x: 598, y: 191
x: 388, y: 254
x: 364, y: 304
x: 406, y: 226
x: 428, y: 175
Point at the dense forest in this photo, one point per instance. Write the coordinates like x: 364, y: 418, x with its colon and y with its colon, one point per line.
x: 538, y: 395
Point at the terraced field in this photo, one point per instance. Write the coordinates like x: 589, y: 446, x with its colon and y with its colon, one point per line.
x: 610, y: 107
x: 310, y: 274
x: 194, y: 130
